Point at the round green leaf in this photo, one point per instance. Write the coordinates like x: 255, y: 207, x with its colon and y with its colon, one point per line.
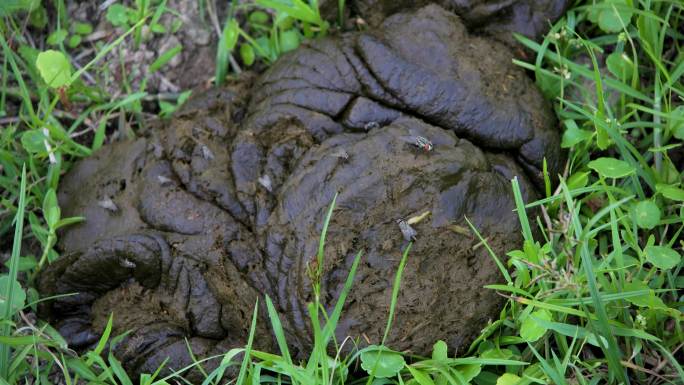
x: 531, y: 330
x: 74, y: 41
x: 647, y: 214
x: 38, y: 18
x: 615, y: 16
x: 264, y: 45
x: 284, y: 21
x: 247, y: 54
x: 382, y: 364
x: 18, y: 295
x: 289, y: 40
x: 574, y: 135
x: 258, y: 17
x: 578, y: 180
x: 468, y: 372
x: 57, y: 37
x: 230, y: 35
x: 611, y: 167
x: 83, y: 28
x: 54, y: 68
x: 117, y: 15
x: 508, y: 379
x: 158, y: 28
x: 620, y: 65
x: 503, y: 354
x: 662, y: 257
x: 33, y: 141
x: 51, y: 211
x: 649, y: 300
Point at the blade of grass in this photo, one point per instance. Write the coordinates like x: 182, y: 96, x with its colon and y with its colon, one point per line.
x: 5, y: 328
x: 248, y: 347
x: 612, y: 351
x: 491, y: 252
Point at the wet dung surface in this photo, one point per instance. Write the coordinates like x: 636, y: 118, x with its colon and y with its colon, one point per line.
x: 186, y: 227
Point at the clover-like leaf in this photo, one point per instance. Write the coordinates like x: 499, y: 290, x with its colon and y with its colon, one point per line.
x: 574, y: 135
x: 382, y: 363
x: 647, y: 214
x: 83, y: 28
x: 57, y: 37
x: 611, y: 167
x: 289, y: 40
x: 117, y: 14
x: 258, y: 17
x: 530, y: 329
x: 33, y: 141
x: 508, y: 379
x: 247, y: 54
x: 662, y: 257
x: 230, y: 35
x: 51, y: 211
x: 54, y: 68
x: 74, y: 41
x: 620, y: 65
x: 578, y: 180
x: 615, y: 16
x: 18, y: 295
x: 468, y: 372
x: 649, y: 300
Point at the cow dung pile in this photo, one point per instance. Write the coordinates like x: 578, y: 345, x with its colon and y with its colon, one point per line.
x: 187, y: 226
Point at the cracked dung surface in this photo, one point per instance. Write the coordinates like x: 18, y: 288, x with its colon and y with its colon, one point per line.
x: 226, y: 203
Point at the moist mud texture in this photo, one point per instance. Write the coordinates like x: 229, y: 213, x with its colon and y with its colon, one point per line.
x: 494, y: 18
x: 186, y: 227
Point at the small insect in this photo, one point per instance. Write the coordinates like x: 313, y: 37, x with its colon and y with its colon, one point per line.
x: 126, y: 263
x: 164, y: 181
x: 108, y: 204
x: 371, y: 126
x: 406, y: 230
x: 418, y: 141
x: 265, y: 181
x: 340, y: 153
x: 206, y: 153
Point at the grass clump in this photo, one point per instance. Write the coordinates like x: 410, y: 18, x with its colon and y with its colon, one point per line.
x: 597, y: 298
x: 48, y: 105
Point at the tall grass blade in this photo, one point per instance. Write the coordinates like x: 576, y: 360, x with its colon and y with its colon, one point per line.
x: 248, y: 348
x: 324, y: 232
x: 491, y: 252
x: 5, y: 327
x: 395, y: 292
x: 612, y: 351
x: 278, y: 330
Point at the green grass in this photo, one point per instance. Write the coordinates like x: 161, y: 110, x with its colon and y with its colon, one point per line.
x: 594, y: 294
